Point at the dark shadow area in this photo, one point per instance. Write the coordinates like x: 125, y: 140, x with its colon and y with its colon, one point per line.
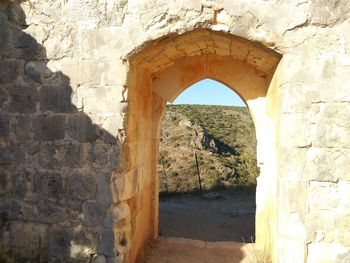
x: 55, y: 164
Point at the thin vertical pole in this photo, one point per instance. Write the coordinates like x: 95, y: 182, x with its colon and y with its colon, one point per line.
x: 198, y: 173
x: 166, y: 177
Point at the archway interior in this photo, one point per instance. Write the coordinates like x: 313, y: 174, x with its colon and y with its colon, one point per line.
x: 157, y: 75
x: 207, y: 135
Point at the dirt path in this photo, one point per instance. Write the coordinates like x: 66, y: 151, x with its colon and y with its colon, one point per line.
x: 231, y: 217
x: 180, y: 250
x: 190, y: 225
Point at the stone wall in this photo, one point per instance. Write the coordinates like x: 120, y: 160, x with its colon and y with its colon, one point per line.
x: 56, y: 160
x: 79, y: 121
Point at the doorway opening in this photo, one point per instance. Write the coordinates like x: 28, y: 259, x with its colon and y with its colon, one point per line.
x: 158, y: 73
x: 207, y: 166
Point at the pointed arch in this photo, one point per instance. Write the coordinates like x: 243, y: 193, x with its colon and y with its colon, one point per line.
x: 159, y: 73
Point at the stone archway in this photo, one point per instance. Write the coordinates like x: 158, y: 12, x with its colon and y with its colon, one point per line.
x: 162, y: 71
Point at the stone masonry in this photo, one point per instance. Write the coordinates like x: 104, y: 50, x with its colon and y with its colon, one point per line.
x: 83, y: 85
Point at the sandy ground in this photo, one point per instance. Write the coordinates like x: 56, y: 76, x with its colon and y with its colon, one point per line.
x: 180, y: 250
x: 231, y: 217
x: 194, y: 229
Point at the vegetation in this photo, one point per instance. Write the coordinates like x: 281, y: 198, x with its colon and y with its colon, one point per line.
x: 223, y: 138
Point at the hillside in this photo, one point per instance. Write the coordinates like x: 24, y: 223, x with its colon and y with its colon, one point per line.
x: 223, y: 138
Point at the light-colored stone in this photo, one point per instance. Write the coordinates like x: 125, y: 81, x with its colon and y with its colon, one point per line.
x: 331, y: 125
x: 104, y: 101
x: 327, y: 253
x: 327, y: 164
x: 323, y: 195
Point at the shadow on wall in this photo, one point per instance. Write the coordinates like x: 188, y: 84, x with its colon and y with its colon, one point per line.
x: 55, y: 164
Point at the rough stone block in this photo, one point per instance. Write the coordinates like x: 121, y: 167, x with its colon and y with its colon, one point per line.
x: 16, y: 15
x: 325, y: 164
x: 114, y: 73
x: 108, y: 137
x: 323, y: 195
x: 48, y: 185
x: 11, y: 153
x: 90, y: 72
x: 49, y: 127
x: 22, y: 128
x: 98, y: 155
x: 4, y: 180
x: 294, y: 197
x: 124, y: 186
x: 52, y: 213
x: 4, y: 125
x: 30, y: 240
x: 104, y: 188
x: 69, y: 68
x: 343, y: 230
x: 74, y: 155
x: 43, y: 155
x: 59, y: 243
x: 111, y: 125
x: 102, y: 99
x: 344, y: 195
x: 298, y: 96
x: 331, y: 125
x: 62, y: 43
x: 292, y: 249
x: 11, y: 210
x: 327, y: 252
x: 57, y: 79
x: 104, y: 156
x: 92, y: 214
x: 99, y: 259
x: 81, y: 128
x: 295, y: 129
x: 28, y: 48
x: 80, y: 187
x: 6, y: 34
x: 23, y: 99
x: 121, y: 213
x: 55, y: 99
x: 4, y: 97
x: 320, y: 226
x: 37, y: 71
x: 101, y: 42
x: 22, y: 183
x: 106, y: 241
x: 8, y: 70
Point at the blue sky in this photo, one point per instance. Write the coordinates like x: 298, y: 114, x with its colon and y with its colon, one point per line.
x: 209, y: 92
